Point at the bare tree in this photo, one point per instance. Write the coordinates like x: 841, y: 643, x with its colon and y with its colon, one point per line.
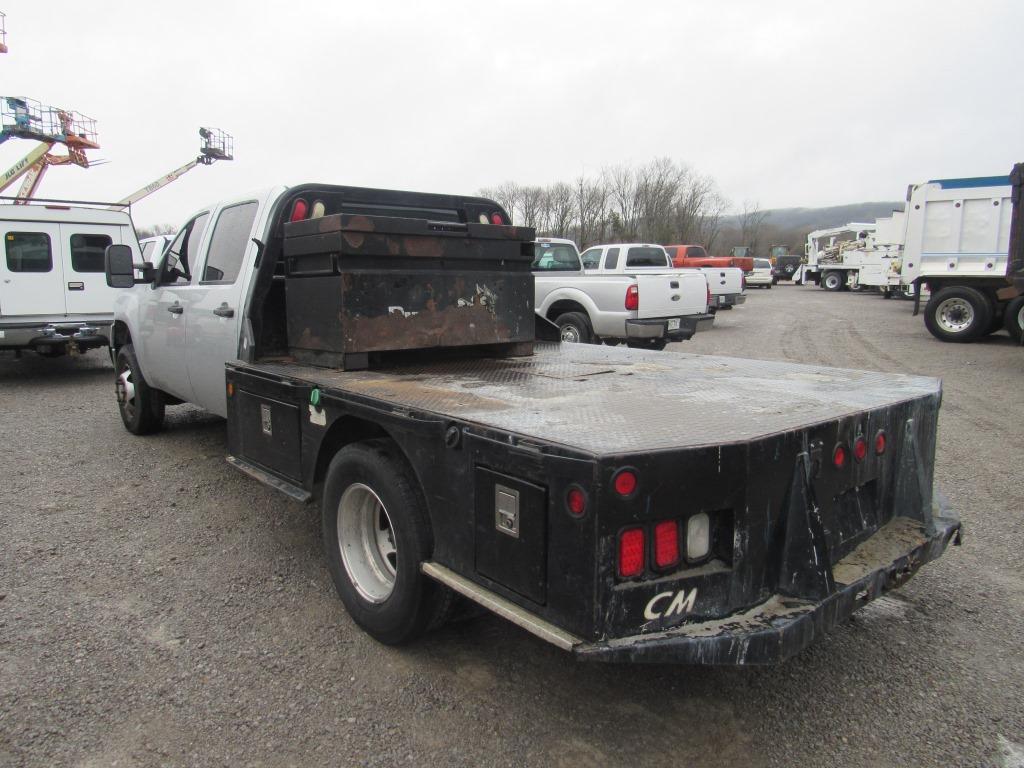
x: 591, y: 198
x: 532, y: 207
x: 751, y: 221
x: 560, y: 209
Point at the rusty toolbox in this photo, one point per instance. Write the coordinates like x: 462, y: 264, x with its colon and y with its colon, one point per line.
x: 363, y: 284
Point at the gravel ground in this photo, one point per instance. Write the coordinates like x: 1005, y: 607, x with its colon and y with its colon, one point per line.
x: 159, y: 608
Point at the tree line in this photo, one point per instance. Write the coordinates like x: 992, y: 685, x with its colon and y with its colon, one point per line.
x: 663, y: 201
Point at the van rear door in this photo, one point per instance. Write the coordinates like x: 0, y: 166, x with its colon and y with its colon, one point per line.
x: 31, y: 270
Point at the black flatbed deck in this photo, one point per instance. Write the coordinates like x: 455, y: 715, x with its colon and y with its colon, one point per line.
x: 607, y: 400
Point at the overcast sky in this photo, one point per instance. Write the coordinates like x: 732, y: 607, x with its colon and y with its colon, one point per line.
x: 787, y: 104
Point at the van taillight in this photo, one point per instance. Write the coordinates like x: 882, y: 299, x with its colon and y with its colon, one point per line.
x: 631, y: 552
x: 633, y: 297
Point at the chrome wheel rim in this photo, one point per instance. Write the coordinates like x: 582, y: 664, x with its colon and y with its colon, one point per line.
x: 954, y: 315
x: 1020, y: 320
x: 125, y: 389
x: 831, y: 281
x: 366, y: 542
x: 571, y: 333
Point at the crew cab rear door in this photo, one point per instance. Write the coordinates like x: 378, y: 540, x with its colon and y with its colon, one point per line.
x: 31, y: 272
x: 216, y: 310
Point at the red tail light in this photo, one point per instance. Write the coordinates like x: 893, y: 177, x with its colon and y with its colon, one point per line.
x: 576, y: 501
x: 860, y: 449
x: 632, y: 297
x: 625, y: 482
x: 839, y: 456
x: 300, y: 208
x: 496, y: 218
x: 631, y: 552
x: 666, y: 544
x: 880, y: 443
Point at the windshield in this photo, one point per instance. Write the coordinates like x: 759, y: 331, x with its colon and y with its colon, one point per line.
x: 762, y: 264
x: 646, y: 257
x: 555, y: 257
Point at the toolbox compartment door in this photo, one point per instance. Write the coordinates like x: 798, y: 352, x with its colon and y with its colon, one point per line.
x: 269, y: 434
x: 511, y: 533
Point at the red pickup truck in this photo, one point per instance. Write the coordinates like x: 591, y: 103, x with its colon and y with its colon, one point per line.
x: 696, y: 256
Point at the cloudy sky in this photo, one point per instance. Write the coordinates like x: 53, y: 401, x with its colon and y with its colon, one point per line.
x: 784, y: 103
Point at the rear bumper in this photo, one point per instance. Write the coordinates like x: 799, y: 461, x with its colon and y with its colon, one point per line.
x: 657, y: 328
x: 780, y: 627
x: 36, y: 335
x: 760, y: 279
x: 728, y: 299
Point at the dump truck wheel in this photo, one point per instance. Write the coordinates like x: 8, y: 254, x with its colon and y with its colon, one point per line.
x: 376, y: 536
x: 1013, y: 319
x: 141, y: 406
x: 957, y: 313
x: 575, y: 328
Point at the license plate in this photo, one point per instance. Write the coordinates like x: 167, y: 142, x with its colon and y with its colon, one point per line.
x: 673, y: 324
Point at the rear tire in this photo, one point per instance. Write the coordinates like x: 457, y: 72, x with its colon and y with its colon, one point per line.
x: 1013, y: 319
x: 141, y: 406
x: 832, y: 281
x: 376, y: 536
x: 574, y: 328
x: 958, y: 313
x: 769, y: 286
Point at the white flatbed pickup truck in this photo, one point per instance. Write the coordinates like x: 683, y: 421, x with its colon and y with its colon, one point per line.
x: 725, y: 284
x: 647, y: 310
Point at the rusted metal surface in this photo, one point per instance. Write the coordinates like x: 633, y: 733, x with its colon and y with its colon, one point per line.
x: 360, y: 284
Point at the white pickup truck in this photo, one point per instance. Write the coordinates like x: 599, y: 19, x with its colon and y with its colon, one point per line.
x: 725, y: 284
x: 648, y: 309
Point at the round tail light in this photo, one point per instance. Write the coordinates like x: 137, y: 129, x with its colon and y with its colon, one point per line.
x: 880, y: 443
x: 576, y: 502
x: 860, y: 449
x: 625, y: 482
x: 496, y: 218
x: 839, y: 456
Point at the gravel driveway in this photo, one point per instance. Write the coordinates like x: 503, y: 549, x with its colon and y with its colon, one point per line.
x: 159, y: 608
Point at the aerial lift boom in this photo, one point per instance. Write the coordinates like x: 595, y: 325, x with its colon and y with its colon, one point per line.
x: 27, y: 119
x: 217, y: 145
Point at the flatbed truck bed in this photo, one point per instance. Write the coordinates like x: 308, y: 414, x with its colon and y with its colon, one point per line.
x: 573, y: 416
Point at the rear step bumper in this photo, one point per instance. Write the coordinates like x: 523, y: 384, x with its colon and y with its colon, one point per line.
x: 781, y: 627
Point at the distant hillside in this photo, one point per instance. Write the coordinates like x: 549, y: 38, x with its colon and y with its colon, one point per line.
x: 789, y: 226
x: 822, y: 218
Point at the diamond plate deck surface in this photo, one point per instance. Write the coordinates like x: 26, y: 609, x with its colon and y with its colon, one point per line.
x: 609, y: 400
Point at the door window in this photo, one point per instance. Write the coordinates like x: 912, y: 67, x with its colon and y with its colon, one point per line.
x: 87, y: 252
x: 28, y: 252
x: 611, y: 261
x: 591, y: 258
x: 183, y: 252
x: 228, y: 244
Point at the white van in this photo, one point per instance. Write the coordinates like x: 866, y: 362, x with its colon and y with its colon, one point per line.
x: 53, y: 294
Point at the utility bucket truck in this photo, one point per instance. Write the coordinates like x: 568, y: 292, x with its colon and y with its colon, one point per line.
x: 373, y: 352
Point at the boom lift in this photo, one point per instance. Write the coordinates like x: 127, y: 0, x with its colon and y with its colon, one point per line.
x: 217, y: 145
x: 22, y: 118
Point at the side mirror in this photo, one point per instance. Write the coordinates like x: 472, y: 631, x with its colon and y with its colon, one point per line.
x: 119, y: 267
